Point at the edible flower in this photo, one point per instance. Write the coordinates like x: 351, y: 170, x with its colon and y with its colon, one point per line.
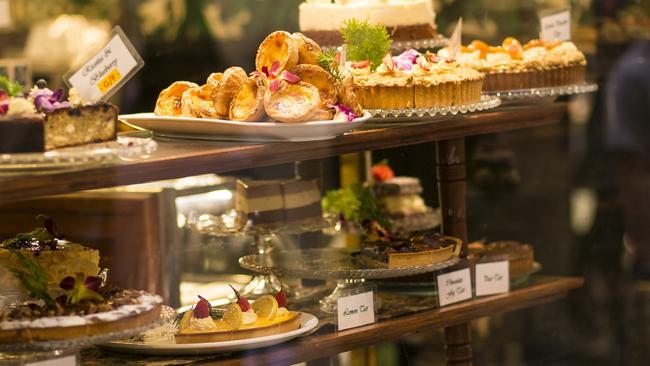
x: 345, y: 111
x: 82, y: 288
x: 406, y: 60
x: 360, y: 64
x: 382, y: 172
x: 388, y: 62
x: 46, y: 100
x: 275, y: 75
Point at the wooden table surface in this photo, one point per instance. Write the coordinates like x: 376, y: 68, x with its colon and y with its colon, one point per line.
x: 326, y: 341
x: 176, y: 158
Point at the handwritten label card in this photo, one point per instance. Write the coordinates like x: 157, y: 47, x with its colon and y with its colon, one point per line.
x: 454, y: 287
x: 556, y: 26
x: 492, y: 278
x: 356, y: 310
x: 5, y: 14
x: 107, y: 70
x: 63, y: 361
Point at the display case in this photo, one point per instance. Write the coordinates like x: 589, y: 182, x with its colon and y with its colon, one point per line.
x: 295, y: 184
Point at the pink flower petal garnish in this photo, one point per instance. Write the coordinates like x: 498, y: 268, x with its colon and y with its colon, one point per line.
x: 290, y: 77
x: 274, y: 85
x: 275, y: 68
x: 347, y: 112
x: 265, y: 70
x: 361, y: 64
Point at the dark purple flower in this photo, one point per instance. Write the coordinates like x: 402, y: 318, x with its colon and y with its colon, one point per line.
x: 93, y: 283
x: 50, y: 226
x: 67, y: 283
x: 47, y: 100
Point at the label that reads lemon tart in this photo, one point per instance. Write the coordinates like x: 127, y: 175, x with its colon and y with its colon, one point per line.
x: 356, y: 310
x: 107, y: 70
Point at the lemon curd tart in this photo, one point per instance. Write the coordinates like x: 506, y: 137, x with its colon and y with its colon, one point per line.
x: 267, y: 316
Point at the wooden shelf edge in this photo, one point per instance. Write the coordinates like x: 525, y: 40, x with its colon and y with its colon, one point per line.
x: 319, y: 346
x: 182, y: 158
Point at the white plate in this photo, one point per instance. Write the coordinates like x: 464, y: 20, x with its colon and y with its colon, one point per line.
x: 218, y: 129
x: 308, y: 322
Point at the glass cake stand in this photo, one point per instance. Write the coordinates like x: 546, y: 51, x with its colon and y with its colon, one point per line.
x: 543, y: 94
x: 131, y: 146
x: 347, y: 269
x: 234, y: 223
x: 486, y: 102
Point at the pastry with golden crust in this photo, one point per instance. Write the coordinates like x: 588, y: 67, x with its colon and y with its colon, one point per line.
x: 212, y: 83
x: 308, y: 50
x: 248, y: 102
x: 321, y: 79
x: 278, y: 46
x: 292, y: 103
x: 197, y: 103
x: 233, y: 78
x: 169, y: 100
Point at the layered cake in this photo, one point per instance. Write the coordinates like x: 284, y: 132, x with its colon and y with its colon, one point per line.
x: 268, y: 315
x: 512, y: 66
x: 415, y: 80
x: 278, y: 202
x: 43, y: 121
x: 46, y: 247
x: 405, y: 20
x: 400, y: 200
x: 520, y: 256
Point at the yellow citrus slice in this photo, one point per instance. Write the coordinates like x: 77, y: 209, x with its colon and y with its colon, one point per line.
x: 233, y: 316
x: 266, y: 307
x: 222, y: 326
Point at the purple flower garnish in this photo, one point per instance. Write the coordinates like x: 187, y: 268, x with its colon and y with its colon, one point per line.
x: 349, y: 114
x: 47, y: 100
x: 67, y: 283
x: 93, y: 283
x: 407, y: 59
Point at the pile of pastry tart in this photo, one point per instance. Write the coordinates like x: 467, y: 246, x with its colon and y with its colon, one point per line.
x: 287, y: 86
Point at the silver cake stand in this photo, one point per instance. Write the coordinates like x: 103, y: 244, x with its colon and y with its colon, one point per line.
x: 233, y: 223
x: 348, y: 270
x: 542, y: 95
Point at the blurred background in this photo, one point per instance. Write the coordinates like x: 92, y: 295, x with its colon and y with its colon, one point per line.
x: 579, y: 191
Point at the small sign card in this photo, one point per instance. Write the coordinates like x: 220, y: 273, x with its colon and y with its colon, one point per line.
x: 556, y: 26
x: 5, y: 14
x: 454, y: 287
x: 107, y: 70
x: 356, y: 310
x: 62, y: 361
x: 492, y: 278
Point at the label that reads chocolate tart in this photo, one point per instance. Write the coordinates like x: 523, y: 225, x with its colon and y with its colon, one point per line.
x: 454, y: 287
x: 555, y: 26
x: 492, y: 278
x: 107, y: 70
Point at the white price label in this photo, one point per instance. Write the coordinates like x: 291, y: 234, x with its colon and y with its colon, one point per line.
x: 107, y: 70
x: 5, y: 14
x: 356, y: 310
x: 63, y: 361
x: 556, y: 26
x: 454, y: 287
x: 492, y: 278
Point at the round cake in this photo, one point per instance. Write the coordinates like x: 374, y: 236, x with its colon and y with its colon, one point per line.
x: 406, y: 20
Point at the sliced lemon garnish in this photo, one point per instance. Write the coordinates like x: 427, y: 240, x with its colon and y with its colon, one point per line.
x: 185, y: 321
x: 233, y: 316
x: 266, y: 307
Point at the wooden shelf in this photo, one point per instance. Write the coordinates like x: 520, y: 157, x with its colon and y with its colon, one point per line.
x: 327, y: 342
x: 181, y: 158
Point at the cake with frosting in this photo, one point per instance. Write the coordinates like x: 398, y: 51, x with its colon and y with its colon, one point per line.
x: 405, y: 20
x: 278, y: 202
x: 512, y: 66
x: 43, y: 120
x: 416, y: 80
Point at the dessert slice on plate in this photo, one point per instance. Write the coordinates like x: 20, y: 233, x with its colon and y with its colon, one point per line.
x: 268, y: 315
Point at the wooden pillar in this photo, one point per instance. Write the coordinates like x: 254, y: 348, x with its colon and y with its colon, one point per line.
x: 453, y: 202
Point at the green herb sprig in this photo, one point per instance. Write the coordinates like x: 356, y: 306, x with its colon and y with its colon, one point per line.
x: 12, y: 89
x: 355, y: 203
x: 327, y: 60
x: 364, y: 41
x: 32, y: 278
